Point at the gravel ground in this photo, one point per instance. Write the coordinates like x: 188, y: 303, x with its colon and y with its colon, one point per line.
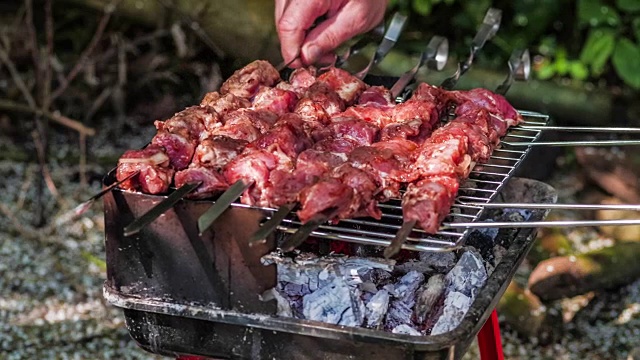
x: 51, y: 304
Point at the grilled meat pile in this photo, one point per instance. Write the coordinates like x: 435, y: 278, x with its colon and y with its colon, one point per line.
x: 327, y: 141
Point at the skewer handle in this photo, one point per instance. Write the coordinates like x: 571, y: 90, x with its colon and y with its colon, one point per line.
x: 391, y: 36
x: 271, y: 225
x: 302, y: 234
x: 400, y: 238
x: 164, y: 205
x: 224, y: 201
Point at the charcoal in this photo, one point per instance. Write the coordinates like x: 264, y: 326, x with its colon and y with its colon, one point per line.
x: 463, y: 283
x: 405, y: 289
x: 483, y: 241
x: 335, y: 304
x: 377, y: 276
x: 376, y: 309
x: 292, y: 289
x: 441, y: 262
x: 428, y: 295
x: 506, y: 235
x: 468, y: 276
x: 406, y: 330
x: 399, y: 313
x: 455, y: 307
x: 284, y: 305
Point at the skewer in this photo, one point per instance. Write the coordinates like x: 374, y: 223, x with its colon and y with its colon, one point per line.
x: 535, y: 224
x: 488, y: 30
x: 388, y: 42
x: 580, y: 128
x: 303, y: 233
x: 574, y: 143
x: 224, y: 201
x: 84, y: 206
x: 271, y: 225
x: 631, y: 207
x: 400, y: 238
x: 374, y: 34
x: 519, y: 69
x: 435, y: 56
x: 164, y: 205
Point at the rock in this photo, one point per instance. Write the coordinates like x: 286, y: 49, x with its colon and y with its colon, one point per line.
x: 522, y: 310
x: 567, y: 276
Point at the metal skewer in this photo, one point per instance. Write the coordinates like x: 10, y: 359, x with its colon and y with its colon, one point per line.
x: 164, y: 205
x: 631, y: 207
x: 435, y: 56
x: 84, y: 206
x: 534, y: 224
x: 271, y: 225
x: 488, y: 30
x: 519, y: 69
x: 575, y: 143
x: 400, y: 238
x: 373, y: 35
x: 388, y: 42
x: 579, y: 128
x: 224, y: 201
x: 303, y: 233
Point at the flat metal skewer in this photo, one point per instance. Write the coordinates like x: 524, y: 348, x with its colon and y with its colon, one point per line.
x: 488, y: 29
x: 400, y: 238
x: 534, y: 224
x: 164, y: 205
x: 224, y: 201
x: 271, y: 225
x: 631, y: 207
x: 84, y: 206
x: 519, y: 69
x: 303, y: 233
x: 373, y: 35
x: 574, y: 143
x: 580, y: 129
x: 388, y: 42
x: 435, y: 56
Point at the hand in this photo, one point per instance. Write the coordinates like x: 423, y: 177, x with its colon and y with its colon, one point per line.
x: 344, y: 19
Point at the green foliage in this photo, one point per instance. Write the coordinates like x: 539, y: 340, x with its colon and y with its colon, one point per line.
x: 596, y: 42
x: 626, y: 61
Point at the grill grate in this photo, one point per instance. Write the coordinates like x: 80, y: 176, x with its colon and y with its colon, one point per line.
x: 483, y: 184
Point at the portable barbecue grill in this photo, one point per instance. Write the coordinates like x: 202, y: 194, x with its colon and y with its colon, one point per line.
x: 186, y: 291
x: 189, y: 294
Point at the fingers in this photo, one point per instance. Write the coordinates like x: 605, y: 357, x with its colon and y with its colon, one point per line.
x: 354, y: 18
x: 297, y: 16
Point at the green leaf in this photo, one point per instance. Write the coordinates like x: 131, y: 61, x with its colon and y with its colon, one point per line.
x: 595, y: 13
x: 635, y: 24
x: 598, y: 48
x: 422, y: 7
x: 628, y: 5
x: 625, y: 62
x: 578, y: 70
x: 545, y: 70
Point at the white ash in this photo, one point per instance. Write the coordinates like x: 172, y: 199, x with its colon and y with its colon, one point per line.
x: 376, y: 309
x: 463, y: 283
x: 335, y: 303
x: 406, y: 329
